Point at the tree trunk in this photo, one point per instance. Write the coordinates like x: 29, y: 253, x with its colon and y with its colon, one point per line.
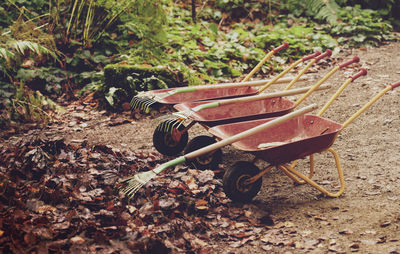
x: 194, y: 11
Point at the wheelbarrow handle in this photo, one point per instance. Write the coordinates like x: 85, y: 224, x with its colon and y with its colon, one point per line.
x: 397, y: 84
x: 313, y: 55
x: 369, y: 104
x: 362, y: 72
x: 355, y: 59
x: 327, y: 53
x: 284, y: 45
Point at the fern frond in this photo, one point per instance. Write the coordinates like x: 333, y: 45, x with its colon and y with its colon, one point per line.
x: 6, y: 54
x: 21, y: 46
x: 323, y: 9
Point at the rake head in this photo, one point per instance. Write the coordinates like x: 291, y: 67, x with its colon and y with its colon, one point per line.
x: 186, y: 114
x: 170, y: 125
x: 132, y: 184
x: 142, y: 103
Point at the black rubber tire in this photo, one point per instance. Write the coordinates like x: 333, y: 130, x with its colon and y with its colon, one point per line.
x: 163, y: 142
x: 207, y: 161
x: 233, y: 182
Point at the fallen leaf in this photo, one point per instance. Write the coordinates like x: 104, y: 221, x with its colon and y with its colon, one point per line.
x: 46, y: 208
x: 77, y: 240
x: 355, y: 246
x: 345, y: 232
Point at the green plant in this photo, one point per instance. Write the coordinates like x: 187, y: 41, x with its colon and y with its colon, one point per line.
x: 28, y: 106
x: 122, y: 81
x: 361, y: 27
x: 19, y: 103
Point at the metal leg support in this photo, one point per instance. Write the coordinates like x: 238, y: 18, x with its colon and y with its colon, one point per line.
x: 293, y: 174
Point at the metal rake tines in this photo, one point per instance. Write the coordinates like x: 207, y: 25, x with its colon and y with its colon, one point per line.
x: 183, y: 114
x: 170, y: 125
x: 131, y: 189
x: 143, y: 103
x: 136, y: 182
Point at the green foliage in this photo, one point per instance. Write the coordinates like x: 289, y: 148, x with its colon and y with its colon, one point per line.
x: 7, y: 90
x: 88, y: 19
x: 229, y: 39
x: 383, y: 8
x: 240, y: 7
x: 20, y: 103
x: 22, y: 42
x: 28, y: 106
x: 47, y: 80
x: 361, y: 27
x: 323, y: 9
x: 122, y: 81
x: 10, y: 10
x: 301, y: 38
x: 94, y: 81
x: 352, y: 25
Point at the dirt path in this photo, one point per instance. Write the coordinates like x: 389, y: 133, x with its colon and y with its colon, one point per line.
x: 365, y: 219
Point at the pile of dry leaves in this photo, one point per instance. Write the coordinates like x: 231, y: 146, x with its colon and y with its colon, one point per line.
x: 58, y: 197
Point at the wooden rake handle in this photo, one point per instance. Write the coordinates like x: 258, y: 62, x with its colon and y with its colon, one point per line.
x: 270, y: 95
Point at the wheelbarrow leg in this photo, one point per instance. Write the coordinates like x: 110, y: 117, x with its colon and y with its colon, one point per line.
x: 292, y: 176
x: 258, y: 176
x: 294, y: 172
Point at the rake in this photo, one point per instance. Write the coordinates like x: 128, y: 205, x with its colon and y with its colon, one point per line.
x: 132, y: 184
x: 145, y: 100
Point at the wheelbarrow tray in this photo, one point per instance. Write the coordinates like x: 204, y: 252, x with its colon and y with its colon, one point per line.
x: 215, y: 93
x: 237, y: 112
x: 286, y: 142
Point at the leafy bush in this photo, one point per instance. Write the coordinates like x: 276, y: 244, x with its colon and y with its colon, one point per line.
x: 352, y: 25
x: 361, y: 27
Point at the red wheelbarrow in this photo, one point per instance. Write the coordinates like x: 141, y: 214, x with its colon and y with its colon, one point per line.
x: 294, y: 139
x: 171, y: 137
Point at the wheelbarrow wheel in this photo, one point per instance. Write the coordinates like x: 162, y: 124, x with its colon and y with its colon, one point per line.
x: 168, y: 138
x: 206, y: 161
x: 235, y: 178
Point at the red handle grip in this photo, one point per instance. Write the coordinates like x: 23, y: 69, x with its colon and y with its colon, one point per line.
x: 327, y: 52
x: 306, y: 58
x: 395, y: 85
x: 355, y: 59
x: 362, y: 72
x: 285, y: 45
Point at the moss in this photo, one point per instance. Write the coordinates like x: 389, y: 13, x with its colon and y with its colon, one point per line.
x: 134, y: 78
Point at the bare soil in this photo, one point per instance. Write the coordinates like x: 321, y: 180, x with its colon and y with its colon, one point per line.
x: 365, y: 219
